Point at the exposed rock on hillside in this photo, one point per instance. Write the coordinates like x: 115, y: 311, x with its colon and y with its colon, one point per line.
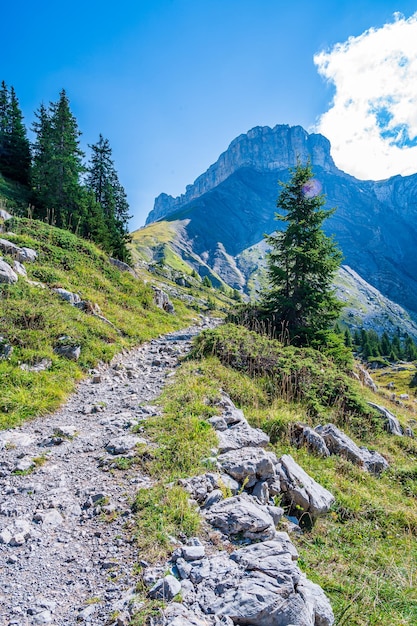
x: 375, y: 222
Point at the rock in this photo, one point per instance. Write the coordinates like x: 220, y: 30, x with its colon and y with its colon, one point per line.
x: 218, y: 422
x: 49, y: 518
x: 26, y: 255
x: 339, y: 443
x: 261, y: 491
x: 214, y: 497
x: 165, y: 589
x: 4, y: 215
x: 199, y: 486
x: 8, y: 247
x: 374, y: 462
x: 366, y: 379
x: 230, y: 413
x: 162, y: 300
x: 241, y: 435
x: 68, y: 296
x: 5, y: 536
x: 40, y: 366
x: 123, y: 444
x: 404, y: 396
x: 178, y: 615
x: 302, y: 435
x: 24, y: 465
x: 123, y: 267
x: 7, y: 275
x: 241, y: 516
x: 68, y: 351
x: 392, y: 425
x: 301, y: 490
x: 257, y: 585
x: 193, y: 553
x: 248, y: 464
x: 19, y: 268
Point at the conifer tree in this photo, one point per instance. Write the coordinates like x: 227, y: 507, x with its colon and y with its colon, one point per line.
x: 302, y: 263
x: 57, y: 166
x: 104, y: 182
x: 14, y: 144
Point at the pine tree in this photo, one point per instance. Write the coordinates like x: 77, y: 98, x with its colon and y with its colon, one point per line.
x: 42, y: 150
x: 103, y: 181
x: 14, y: 144
x: 58, y: 166
x: 302, y: 263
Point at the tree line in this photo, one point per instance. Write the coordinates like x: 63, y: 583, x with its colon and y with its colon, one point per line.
x: 84, y: 197
x: 371, y: 346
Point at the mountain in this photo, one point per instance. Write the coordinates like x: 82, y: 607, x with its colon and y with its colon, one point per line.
x: 230, y: 207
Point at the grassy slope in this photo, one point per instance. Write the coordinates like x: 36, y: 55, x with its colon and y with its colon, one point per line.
x: 32, y: 318
x: 364, y: 552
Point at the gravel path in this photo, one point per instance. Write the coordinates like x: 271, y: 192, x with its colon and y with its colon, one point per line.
x: 66, y: 552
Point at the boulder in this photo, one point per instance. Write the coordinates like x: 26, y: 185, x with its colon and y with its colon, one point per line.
x: 19, y: 268
x: 301, y: 491
x: 68, y: 296
x: 240, y: 515
x: 7, y: 274
x: 339, y: 443
x: 26, y: 255
x: 9, y: 247
x: 392, y: 425
x: 302, y: 435
x: 248, y: 465
x: 241, y: 435
x: 70, y: 352
x: 123, y: 267
x: 258, y: 584
x: 165, y: 588
x: 123, y: 444
x: 162, y: 300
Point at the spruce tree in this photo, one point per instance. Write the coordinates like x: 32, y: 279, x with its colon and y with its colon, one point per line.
x: 14, y: 144
x: 302, y: 263
x: 104, y: 182
x: 58, y: 166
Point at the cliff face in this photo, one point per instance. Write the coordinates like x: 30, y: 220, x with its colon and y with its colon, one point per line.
x: 262, y: 148
x: 233, y: 204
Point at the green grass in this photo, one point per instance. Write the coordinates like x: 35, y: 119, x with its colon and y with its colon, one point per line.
x: 33, y: 318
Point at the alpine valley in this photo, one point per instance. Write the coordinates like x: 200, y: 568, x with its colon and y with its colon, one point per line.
x: 216, y: 227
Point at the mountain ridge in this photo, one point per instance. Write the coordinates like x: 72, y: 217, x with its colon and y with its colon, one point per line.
x: 374, y: 223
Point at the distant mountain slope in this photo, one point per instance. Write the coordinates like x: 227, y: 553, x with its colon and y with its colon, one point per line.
x: 232, y: 205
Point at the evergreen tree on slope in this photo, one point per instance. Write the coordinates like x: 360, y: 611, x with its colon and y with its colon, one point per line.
x: 302, y: 264
x: 103, y: 181
x: 14, y: 144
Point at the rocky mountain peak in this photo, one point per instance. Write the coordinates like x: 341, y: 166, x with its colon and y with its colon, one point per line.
x: 263, y: 149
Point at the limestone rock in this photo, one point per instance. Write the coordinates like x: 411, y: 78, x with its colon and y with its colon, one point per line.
x: 68, y: 296
x: 301, y: 490
x: 19, y: 268
x: 26, y: 255
x: 392, y: 424
x: 7, y: 274
x: 162, y: 300
x: 248, y: 464
x: 239, y: 515
x: 123, y: 444
x: 339, y: 443
x: 165, y: 589
x: 241, y: 435
x: 307, y: 436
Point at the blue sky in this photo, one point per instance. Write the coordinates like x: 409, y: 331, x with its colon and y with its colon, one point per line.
x: 171, y: 82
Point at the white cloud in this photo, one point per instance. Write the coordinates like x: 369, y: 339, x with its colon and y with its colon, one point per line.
x: 372, y: 121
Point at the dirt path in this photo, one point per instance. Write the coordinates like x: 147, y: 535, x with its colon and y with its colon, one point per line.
x: 66, y: 554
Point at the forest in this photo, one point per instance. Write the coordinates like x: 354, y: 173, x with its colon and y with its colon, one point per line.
x: 63, y: 187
